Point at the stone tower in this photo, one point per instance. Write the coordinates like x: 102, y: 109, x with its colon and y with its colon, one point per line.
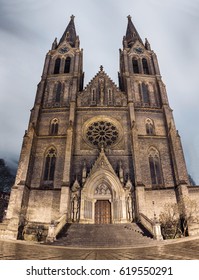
x: 99, y: 154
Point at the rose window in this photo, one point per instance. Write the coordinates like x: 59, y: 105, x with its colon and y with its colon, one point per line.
x: 102, y: 133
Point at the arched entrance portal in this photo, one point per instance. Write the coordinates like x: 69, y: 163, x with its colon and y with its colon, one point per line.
x: 102, y: 212
x: 103, y: 202
x: 103, y: 197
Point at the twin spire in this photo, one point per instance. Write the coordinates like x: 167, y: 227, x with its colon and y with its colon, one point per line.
x: 70, y: 34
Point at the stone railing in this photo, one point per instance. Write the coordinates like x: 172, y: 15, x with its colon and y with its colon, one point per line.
x: 55, y: 227
x: 152, y: 226
x: 3, y: 228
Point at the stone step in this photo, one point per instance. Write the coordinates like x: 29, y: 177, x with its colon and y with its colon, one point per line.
x: 110, y: 235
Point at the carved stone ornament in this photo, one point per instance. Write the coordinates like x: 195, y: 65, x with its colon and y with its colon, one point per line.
x: 102, y: 190
x: 102, y: 133
x: 76, y: 187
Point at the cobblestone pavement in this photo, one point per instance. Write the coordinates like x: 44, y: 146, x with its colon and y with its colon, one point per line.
x: 184, y: 249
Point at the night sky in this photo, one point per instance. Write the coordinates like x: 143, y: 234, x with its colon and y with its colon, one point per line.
x: 28, y: 28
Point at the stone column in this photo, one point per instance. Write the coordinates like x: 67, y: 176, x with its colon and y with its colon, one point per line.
x: 140, y: 200
x: 65, y: 192
x: 51, y: 233
x: 155, y: 62
x: 46, y: 65
x: 20, y: 191
x: 157, y: 231
x: 17, y: 206
x: 140, y: 195
x: 64, y: 200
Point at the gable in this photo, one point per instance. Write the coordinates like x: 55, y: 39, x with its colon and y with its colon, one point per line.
x: 137, y: 48
x: 101, y: 91
x: 102, y: 163
x: 63, y: 50
x: 103, y: 172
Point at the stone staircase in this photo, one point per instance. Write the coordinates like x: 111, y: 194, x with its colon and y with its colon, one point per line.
x: 103, y: 236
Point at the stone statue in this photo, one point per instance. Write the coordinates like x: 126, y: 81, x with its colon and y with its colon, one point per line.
x: 75, y: 208
x: 129, y: 208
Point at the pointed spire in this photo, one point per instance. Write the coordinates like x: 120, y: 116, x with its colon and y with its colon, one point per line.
x: 131, y: 33
x: 147, y: 45
x: 54, y: 45
x: 70, y: 33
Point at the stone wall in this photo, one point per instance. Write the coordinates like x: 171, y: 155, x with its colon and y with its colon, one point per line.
x: 43, y: 206
x: 155, y: 200
x: 194, y: 196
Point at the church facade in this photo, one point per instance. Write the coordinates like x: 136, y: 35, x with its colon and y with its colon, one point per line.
x: 101, y: 153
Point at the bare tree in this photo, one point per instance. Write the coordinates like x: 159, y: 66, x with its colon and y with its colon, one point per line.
x: 176, y: 218
x: 188, y: 209
x: 170, y: 221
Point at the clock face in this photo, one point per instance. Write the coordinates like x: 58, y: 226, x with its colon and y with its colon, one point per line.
x: 63, y: 50
x: 138, y: 50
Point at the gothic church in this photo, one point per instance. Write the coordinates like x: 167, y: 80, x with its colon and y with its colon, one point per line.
x: 98, y: 154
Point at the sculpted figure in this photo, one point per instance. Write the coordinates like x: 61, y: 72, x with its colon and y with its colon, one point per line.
x: 75, y: 208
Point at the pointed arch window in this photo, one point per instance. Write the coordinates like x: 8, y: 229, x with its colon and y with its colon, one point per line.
x: 67, y: 65
x: 145, y: 66
x: 49, y: 168
x: 93, y: 96
x: 155, y: 168
x: 58, y: 91
x: 135, y: 66
x: 150, y: 128
x: 110, y: 96
x: 144, y: 94
x: 57, y: 65
x: 54, y: 127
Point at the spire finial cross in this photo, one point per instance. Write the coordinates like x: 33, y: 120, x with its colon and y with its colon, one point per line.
x: 129, y: 17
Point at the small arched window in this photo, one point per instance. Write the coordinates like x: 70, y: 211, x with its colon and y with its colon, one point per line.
x: 67, y: 65
x: 54, y: 127
x: 110, y: 96
x: 155, y: 168
x: 93, y: 96
x: 49, y: 168
x: 57, y: 65
x: 145, y: 94
x: 150, y: 129
x: 58, y: 91
x: 145, y: 66
x: 135, y: 66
